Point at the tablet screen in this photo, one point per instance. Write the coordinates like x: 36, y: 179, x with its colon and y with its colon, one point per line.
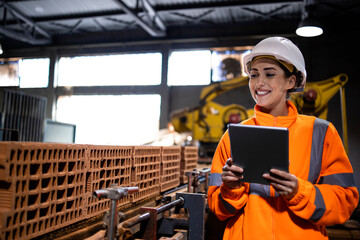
x: 257, y: 149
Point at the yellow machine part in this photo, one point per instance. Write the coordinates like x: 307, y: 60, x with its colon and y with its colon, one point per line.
x: 212, y: 125
x: 209, y: 120
x: 316, y: 96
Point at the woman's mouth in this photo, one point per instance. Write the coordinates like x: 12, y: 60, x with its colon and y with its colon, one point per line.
x: 262, y: 92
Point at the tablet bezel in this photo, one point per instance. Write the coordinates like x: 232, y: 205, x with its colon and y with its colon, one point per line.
x: 257, y: 149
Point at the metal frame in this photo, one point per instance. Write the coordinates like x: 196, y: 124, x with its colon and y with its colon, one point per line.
x: 113, y: 193
x: 155, y: 27
x: 148, y: 17
x: 152, y: 222
x: 31, y: 32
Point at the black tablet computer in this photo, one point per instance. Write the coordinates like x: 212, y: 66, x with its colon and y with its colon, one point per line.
x: 257, y: 149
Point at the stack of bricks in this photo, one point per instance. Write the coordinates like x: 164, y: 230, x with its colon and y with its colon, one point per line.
x: 146, y: 171
x: 170, y: 168
x: 107, y: 166
x: 189, y: 159
x: 42, y: 188
x: 45, y: 187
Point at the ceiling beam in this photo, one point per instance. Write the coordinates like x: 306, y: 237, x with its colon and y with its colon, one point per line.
x: 155, y: 27
x: 269, y: 15
x: 153, y: 15
x: 145, y: 15
x: 29, y: 29
x: 161, y: 9
x: 23, y: 37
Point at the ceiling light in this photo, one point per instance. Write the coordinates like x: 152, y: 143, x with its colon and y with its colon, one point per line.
x: 309, y: 26
x: 1, y: 50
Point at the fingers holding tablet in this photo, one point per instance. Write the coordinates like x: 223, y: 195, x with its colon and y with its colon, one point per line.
x: 286, y: 184
x: 232, y: 174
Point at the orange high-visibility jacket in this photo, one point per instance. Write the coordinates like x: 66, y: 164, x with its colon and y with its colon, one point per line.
x: 327, y: 193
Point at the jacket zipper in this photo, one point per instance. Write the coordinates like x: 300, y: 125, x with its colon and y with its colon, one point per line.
x: 273, y: 209
x: 273, y: 218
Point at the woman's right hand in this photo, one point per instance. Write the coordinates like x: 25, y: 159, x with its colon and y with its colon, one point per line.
x: 232, y: 175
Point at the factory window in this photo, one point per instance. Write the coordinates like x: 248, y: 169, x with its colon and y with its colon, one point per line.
x: 9, y: 72
x: 227, y: 63
x: 34, y: 73
x: 24, y: 73
x: 107, y: 70
x: 189, y: 68
x: 113, y: 120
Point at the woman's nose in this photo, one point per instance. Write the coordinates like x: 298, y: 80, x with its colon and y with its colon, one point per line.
x: 261, y: 81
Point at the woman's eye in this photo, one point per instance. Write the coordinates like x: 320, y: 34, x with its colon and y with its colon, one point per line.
x: 270, y: 74
x: 253, y: 75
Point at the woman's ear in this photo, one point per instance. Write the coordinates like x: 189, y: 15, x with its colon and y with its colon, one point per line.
x: 291, y: 82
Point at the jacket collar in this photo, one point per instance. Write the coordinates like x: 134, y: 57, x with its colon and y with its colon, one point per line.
x: 265, y: 119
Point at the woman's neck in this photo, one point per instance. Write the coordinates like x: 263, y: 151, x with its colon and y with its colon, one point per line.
x: 281, y: 110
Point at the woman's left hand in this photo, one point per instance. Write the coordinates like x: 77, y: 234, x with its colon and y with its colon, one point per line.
x: 286, y: 184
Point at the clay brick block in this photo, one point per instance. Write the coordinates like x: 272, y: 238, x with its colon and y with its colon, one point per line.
x: 106, y: 165
x: 170, y: 167
x: 189, y: 159
x: 44, y: 187
x: 146, y: 162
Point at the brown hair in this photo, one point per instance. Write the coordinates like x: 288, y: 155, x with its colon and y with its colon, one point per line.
x: 298, y: 75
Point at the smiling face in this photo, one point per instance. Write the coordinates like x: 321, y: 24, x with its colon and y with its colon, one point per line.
x: 268, y: 86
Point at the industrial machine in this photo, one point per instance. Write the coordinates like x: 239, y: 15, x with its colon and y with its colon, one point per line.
x: 208, y: 121
x: 164, y: 222
x: 316, y: 96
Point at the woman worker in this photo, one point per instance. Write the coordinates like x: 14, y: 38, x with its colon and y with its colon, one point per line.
x: 319, y: 189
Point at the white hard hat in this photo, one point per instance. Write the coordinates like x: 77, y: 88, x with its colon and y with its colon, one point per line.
x: 282, y: 49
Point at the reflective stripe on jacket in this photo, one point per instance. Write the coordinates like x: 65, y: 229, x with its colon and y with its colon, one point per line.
x: 327, y: 193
